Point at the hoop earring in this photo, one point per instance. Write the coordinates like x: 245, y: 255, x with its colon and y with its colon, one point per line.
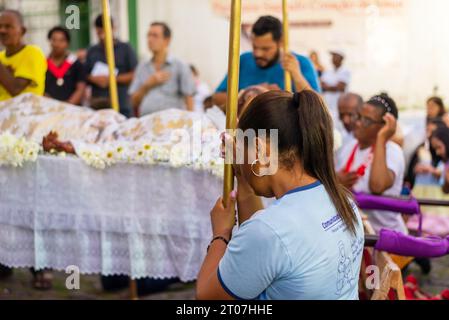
x: 253, y: 171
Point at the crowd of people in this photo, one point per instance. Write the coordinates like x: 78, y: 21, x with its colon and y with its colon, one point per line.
x: 282, y: 251
x: 83, y: 79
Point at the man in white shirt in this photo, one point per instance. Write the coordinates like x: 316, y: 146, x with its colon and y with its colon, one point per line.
x: 373, y: 164
x: 334, y: 82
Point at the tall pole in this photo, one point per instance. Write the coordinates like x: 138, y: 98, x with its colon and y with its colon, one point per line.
x: 285, y: 24
x: 113, y: 91
x: 109, y: 45
x: 233, y: 88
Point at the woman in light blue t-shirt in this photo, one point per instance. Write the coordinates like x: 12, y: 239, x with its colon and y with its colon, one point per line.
x: 308, y: 244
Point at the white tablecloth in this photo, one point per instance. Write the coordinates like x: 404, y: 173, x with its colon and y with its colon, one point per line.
x: 150, y: 221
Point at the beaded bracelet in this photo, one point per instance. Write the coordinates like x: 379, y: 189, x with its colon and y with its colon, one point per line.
x: 217, y: 238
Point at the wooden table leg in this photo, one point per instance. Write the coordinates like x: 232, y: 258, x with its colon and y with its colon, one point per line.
x: 133, y: 293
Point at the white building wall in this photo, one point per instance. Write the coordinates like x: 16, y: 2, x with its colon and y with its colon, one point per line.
x: 199, y: 36
x: 41, y: 15
x: 119, y: 12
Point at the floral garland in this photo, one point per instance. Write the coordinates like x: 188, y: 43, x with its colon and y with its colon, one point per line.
x: 176, y: 156
x: 16, y: 152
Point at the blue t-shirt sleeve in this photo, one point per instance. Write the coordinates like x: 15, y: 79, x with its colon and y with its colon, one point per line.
x: 309, y: 72
x: 244, y: 58
x: 255, y: 258
x: 223, y: 87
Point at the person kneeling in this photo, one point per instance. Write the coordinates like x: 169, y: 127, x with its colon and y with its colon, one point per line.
x: 308, y: 244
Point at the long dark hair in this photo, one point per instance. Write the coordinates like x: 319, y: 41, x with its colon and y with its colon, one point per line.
x: 439, y: 123
x: 63, y: 30
x: 442, y: 134
x: 304, y: 129
x: 439, y: 102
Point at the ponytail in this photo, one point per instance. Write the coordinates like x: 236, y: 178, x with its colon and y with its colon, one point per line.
x: 305, y: 132
x: 316, y: 150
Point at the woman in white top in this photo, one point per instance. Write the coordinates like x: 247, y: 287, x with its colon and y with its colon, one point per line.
x: 374, y: 164
x: 308, y: 244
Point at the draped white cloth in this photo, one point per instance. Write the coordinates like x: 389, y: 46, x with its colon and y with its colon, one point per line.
x: 141, y: 221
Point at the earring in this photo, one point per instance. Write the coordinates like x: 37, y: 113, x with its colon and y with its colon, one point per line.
x: 253, y: 171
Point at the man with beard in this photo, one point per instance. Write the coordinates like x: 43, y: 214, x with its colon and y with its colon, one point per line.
x: 266, y: 64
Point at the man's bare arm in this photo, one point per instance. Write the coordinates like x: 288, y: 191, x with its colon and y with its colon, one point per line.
x: 219, y: 99
x: 340, y: 87
x: 189, y: 102
x: 14, y: 86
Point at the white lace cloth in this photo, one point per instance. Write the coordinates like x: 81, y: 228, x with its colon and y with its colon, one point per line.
x: 150, y: 221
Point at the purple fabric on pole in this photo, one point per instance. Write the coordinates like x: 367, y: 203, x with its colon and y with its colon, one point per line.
x: 407, y: 206
x: 370, y: 202
x: 397, y: 243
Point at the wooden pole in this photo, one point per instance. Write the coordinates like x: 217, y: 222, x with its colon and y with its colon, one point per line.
x: 133, y: 293
x: 109, y: 46
x: 113, y: 91
x: 233, y: 88
x: 286, y: 41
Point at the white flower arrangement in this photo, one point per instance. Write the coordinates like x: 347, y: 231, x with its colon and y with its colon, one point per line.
x: 16, y: 151
x: 98, y: 157
x: 176, y: 156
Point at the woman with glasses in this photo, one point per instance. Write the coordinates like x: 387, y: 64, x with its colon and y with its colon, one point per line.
x: 374, y: 164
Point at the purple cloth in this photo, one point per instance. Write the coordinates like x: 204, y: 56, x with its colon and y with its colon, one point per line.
x: 397, y: 243
x: 370, y: 202
x: 407, y: 206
